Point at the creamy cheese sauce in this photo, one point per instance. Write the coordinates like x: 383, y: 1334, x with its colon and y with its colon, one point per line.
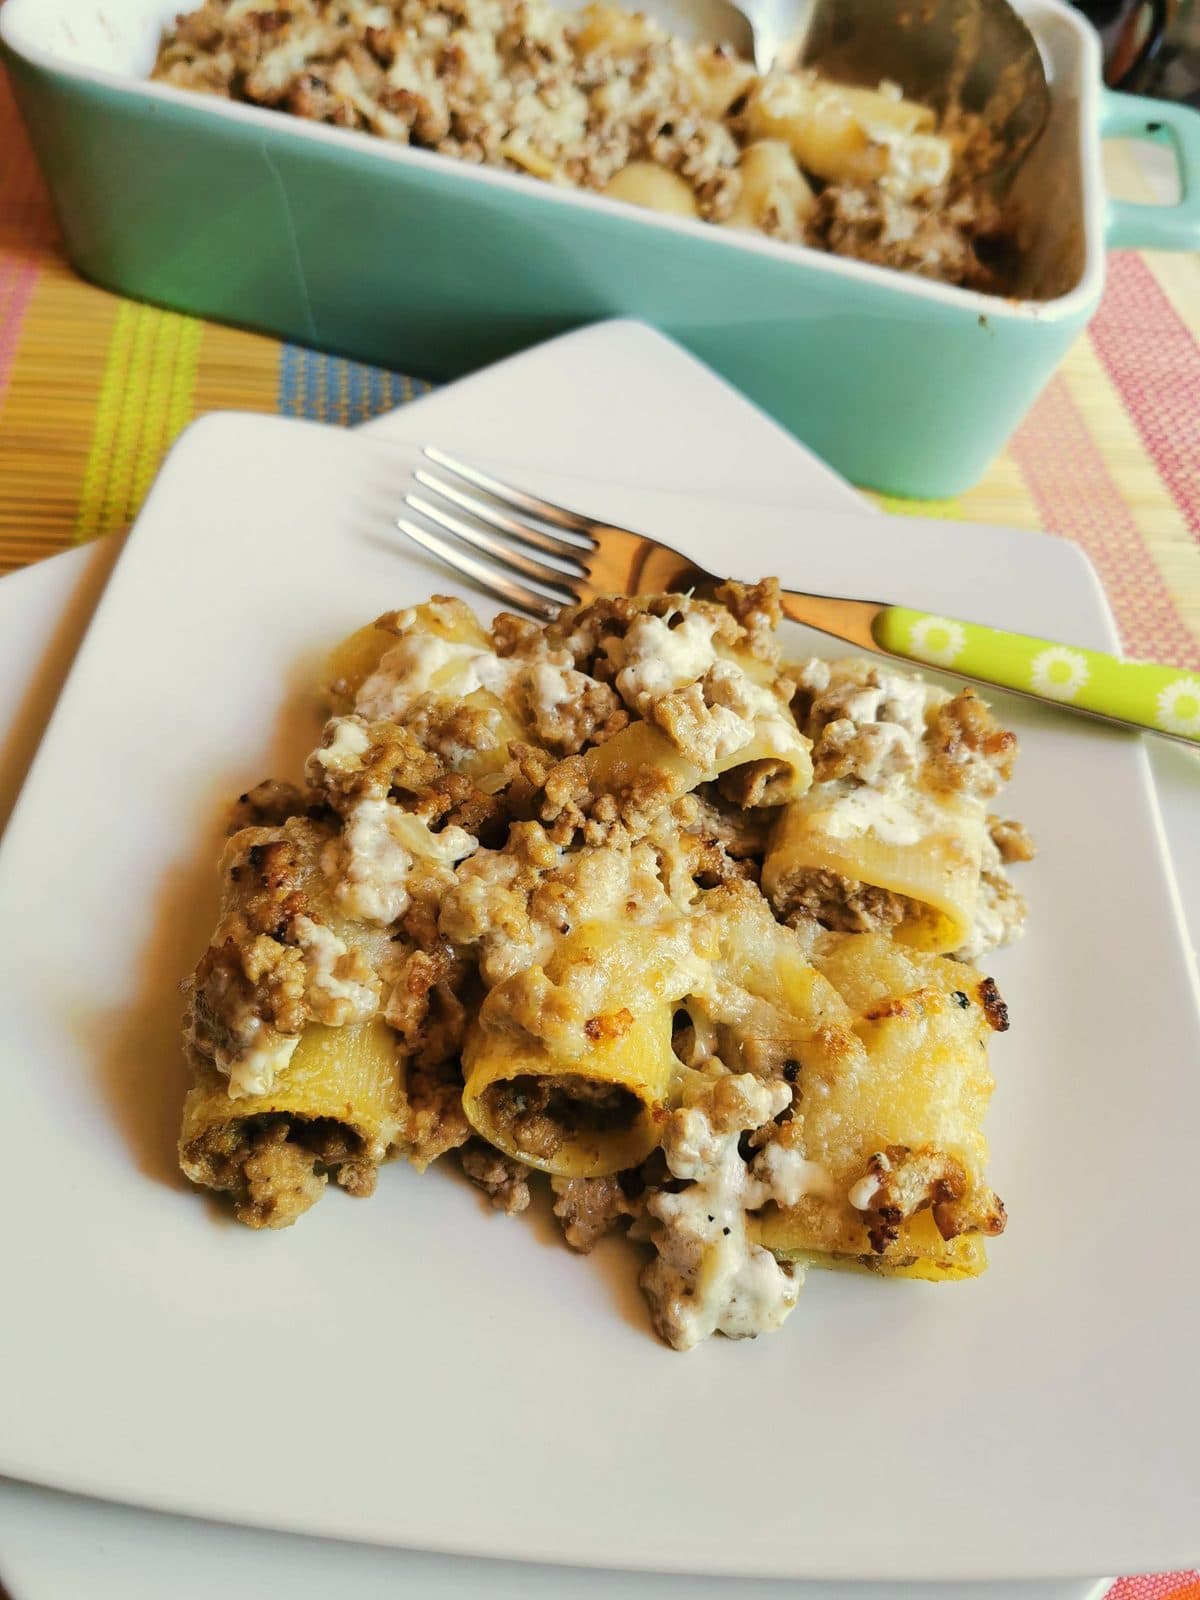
x: 871, y: 727
x: 334, y: 994
x: 373, y: 859
x: 655, y: 659
x: 917, y: 162
x: 899, y: 816
x: 790, y: 1176
x: 709, y: 1275
x: 350, y: 740
x: 370, y: 863
x: 422, y: 663
x: 864, y: 1191
x: 253, y: 1068
x: 552, y: 687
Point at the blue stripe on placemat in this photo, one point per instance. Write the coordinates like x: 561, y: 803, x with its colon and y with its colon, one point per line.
x: 332, y: 389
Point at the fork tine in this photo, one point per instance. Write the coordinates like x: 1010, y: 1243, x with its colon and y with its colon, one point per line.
x: 516, y: 498
x: 567, y: 549
x: 515, y: 560
x: 491, y: 581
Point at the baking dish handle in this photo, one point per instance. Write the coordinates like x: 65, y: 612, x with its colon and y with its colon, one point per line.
x: 1137, y: 227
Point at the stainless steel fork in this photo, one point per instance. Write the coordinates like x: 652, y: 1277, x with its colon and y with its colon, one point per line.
x: 499, y: 536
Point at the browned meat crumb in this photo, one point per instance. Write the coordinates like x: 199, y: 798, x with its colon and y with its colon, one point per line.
x: 234, y: 984
x: 905, y: 1181
x: 435, y: 1120
x: 935, y: 236
x: 418, y: 975
x: 980, y: 1210
x: 275, y: 1167
x: 449, y: 731
x: 593, y: 714
x: 392, y: 761
x: 512, y: 634
x: 757, y: 607
x: 1012, y: 839
x: 583, y: 629
x: 266, y: 867
x: 752, y: 783
x: 268, y: 805
x: 588, y: 1208
x: 503, y: 1180
x: 994, y: 1008
x: 453, y: 800
x: 281, y: 1180
x: 741, y: 834
x: 969, y: 751
x: 868, y: 752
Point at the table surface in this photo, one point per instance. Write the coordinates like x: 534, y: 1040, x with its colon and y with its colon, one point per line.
x: 93, y: 389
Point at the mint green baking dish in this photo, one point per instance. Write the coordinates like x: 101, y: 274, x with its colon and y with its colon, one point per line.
x: 411, y: 260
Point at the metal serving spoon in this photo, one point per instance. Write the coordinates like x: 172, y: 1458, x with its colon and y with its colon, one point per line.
x: 977, y: 55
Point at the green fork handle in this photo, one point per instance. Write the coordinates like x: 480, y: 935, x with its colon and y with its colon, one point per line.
x: 1165, y: 700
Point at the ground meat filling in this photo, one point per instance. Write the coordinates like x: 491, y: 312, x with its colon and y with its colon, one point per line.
x: 950, y: 239
x: 538, y: 1115
x: 588, y: 1208
x: 435, y: 1121
x: 970, y: 753
x: 1012, y: 840
x: 843, y: 905
x: 503, y: 1180
x: 275, y: 1167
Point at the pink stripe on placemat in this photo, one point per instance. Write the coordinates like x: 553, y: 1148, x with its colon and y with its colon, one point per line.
x: 1154, y: 363
x: 17, y: 280
x: 1067, y: 477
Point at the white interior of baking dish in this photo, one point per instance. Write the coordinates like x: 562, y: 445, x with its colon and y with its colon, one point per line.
x: 1059, y: 189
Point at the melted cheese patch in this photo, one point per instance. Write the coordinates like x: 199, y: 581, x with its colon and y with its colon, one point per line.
x: 254, y: 1067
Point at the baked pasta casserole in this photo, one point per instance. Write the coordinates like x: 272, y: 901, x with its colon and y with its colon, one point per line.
x: 625, y: 906
x: 604, y: 99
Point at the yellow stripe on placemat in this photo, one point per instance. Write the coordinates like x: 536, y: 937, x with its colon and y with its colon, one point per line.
x: 146, y: 398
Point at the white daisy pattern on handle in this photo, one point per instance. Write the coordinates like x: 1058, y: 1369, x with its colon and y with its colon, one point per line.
x: 1059, y: 672
x: 937, y: 640
x: 1178, y: 707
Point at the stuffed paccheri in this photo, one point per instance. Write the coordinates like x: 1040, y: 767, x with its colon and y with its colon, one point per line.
x: 626, y: 904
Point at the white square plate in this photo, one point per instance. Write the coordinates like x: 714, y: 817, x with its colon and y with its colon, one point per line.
x: 372, y: 1374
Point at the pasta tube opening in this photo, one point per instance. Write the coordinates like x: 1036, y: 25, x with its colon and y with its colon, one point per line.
x: 584, y: 1117
x: 337, y: 1111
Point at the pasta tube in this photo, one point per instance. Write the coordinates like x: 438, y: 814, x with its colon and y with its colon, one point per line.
x: 892, y: 1106
x: 583, y: 1117
x: 339, y: 1108
x: 923, y: 851
x: 850, y: 135
x: 432, y: 668
x: 646, y: 771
